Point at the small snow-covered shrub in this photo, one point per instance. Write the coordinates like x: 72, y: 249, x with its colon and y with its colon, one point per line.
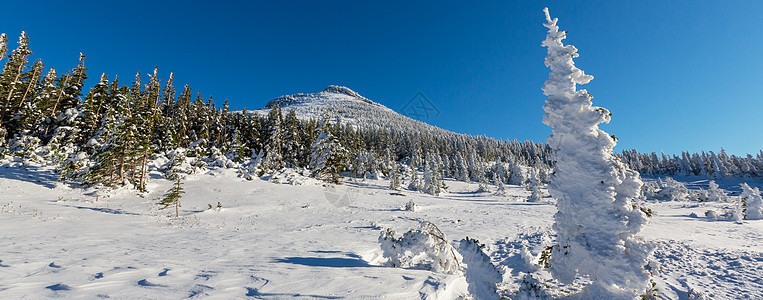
x: 672, y: 190
x: 410, y: 206
x: 751, y: 202
x: 726, y: 214
x: 483, y: 188
x: 712, y: 194
x: 532, y: 288
x: 481, y: 273
x: 649, y: 190
x: 423, y: 248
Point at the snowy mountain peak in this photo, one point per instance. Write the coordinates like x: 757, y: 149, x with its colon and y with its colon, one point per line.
x: 338, y: 89
x: 334, y: 93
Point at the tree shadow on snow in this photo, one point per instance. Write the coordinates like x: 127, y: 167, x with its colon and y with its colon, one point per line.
x: 331, y: 262
x: 106, y: 210
x: 32, y: 174
x: 252, y: 292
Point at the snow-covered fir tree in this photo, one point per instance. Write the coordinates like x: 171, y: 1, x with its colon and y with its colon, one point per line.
x: 327, y: 154
x: 596, y: 224
x: 534, y: 185
x: 752, y: 202
x: 273, y: 150
x: 431, y: 176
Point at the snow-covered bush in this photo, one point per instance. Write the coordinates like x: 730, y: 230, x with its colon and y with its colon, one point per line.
x: 410, y: 206
x: 532, y: 288
x: 483, y: 188
x: 650, y: 189
x: 177, y: 164
x: 516, y: 174
x: 752, y: 202
x: 481, y: 273
x: 672, y: 190
x: 712, y: 194
x: 596, y: 224
x: 423, y: 248
x: 726, y: 214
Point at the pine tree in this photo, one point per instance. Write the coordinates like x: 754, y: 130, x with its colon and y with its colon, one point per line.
x: 28, y: 111
x: 534, y: 185
x: 596, y: 224
x: 431, y: 176
x: 11, y: 84
x: 273, y: 149
x: 414, y: 184
x: 172, y: 197
x: 394, y: 177
x: 327, y: 154
x: 752, y: 202
x: 500, y: 189
x: 115, y: 142
x: 94, y: 105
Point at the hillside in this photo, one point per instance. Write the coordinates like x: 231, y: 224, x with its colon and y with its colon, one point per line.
x: 352, y: 109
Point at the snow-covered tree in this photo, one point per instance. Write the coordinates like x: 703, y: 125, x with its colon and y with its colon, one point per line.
x: 534, y: 185
x: 273, y: 149
x: 715, y: 193
x: 516, y: 174
x: 431, y: 176
x: 423, y: 248
x: 596, y: 224
x: 500, y: 189
x: 394, y: 177
x: 752, y: 202
x: 327, y: 154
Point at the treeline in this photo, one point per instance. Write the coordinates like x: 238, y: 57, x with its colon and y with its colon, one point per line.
x: 706, y: 164
x: 114, y: 133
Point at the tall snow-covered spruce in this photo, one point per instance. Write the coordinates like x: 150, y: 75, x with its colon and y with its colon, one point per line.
x: 596, y: 224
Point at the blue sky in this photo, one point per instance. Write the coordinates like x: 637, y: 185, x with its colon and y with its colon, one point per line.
x: 677, y: 75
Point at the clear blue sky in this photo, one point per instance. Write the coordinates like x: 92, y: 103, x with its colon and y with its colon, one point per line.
x: 677, y: 75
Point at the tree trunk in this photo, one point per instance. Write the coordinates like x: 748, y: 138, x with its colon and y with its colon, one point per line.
x: 28, y: 87
x: 58, y: 99
x: 10, y: 94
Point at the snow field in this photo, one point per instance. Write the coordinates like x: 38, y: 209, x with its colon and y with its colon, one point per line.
x: 316, y: 241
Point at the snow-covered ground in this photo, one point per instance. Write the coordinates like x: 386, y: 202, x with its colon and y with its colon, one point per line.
x: 311, y: 240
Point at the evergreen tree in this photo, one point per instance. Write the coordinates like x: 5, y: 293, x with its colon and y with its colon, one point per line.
x: 431, y: 176
x: 94, y: 105
x: 327, y: 155
x: 172, y: 197
x: 596, y: 224
x: 273, y: 149
x: 752, y: 202
x: 534, y: 185
x: 394, y: 177
x: 28, y: 111
x: 11, y: 84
